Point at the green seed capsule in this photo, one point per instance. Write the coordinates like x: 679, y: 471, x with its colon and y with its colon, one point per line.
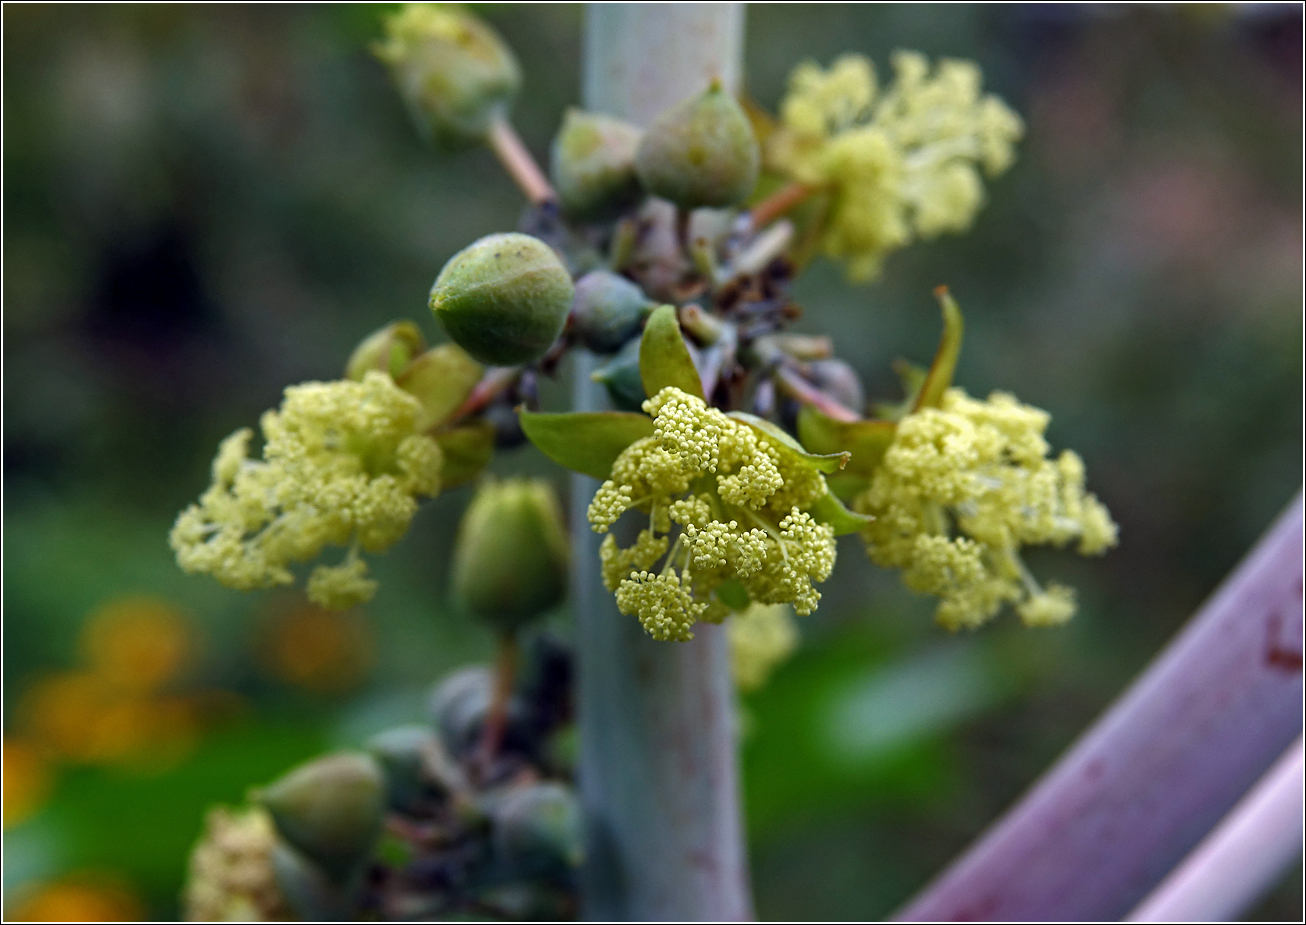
x: 503, y: 299
x: 593, y: 165
x: 454, y: 72
x: 404, y: 753
x: 331, y: 809
x: 389, y: 350
x: 700, y: 153
x: 608, y: 310
x: 538, y: 831
x: 510, y: 558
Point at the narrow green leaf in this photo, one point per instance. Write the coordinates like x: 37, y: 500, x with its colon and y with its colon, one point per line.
x: 588, y: 442
x: 913, y: 379
x: 467, y: 451
x: 664, y: 358
x: 847, y: 485
x: 824, y: 462
x: 867, y: 441
x: 939, y: 379
x: 830, y: 510
x: 441, y: 379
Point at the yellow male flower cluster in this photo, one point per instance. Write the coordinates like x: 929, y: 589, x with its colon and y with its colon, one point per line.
x: 231, y: 878
x: 342, y: 465
x: 900, y: 163
x: 761, y: 638
x: 961, y: 489
x: 738, y: 499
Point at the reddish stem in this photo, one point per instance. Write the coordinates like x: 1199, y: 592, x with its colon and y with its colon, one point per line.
x: 493, y: 384
x: 518, y: 161
x: 779, y: 203
x: 809, y: 394
x: 496, y: 719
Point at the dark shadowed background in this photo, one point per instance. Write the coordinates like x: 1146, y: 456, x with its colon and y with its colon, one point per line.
x: 205, y: 204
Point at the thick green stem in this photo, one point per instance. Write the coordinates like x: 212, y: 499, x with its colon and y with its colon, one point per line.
x: 658, y: 770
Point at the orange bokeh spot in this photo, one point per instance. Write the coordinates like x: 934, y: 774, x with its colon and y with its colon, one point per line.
x: 78, y: 899
x: 138, y: 642
x: 27, y: 779
x: 319, y: 650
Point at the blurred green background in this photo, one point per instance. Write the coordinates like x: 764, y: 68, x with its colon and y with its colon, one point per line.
x: 204, y: 204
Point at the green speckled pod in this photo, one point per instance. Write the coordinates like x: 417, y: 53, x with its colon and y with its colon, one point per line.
x: 504, y: 299
x: 593, y: 165
x: 700, y: 153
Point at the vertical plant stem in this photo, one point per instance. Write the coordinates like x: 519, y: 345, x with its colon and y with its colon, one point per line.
x: 496, y: 718
x: 658, y: 768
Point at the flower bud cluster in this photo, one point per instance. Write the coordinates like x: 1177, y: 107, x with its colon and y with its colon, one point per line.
x: 343, y: 465
x: 737, y: 500
x: 961, y: 489
x: 900, y: 163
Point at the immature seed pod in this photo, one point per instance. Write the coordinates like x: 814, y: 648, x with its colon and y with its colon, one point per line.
x: 700, y: 153
x: 389, y: 350
x: 510, y: 558
x: 459, y: 704
x: 454, y: 72
x: 538, y: 831
x: 331, y: 809
x: 404, y: 753
x: 593, y: 165
x: 608, y: 310
x: 504, y: 299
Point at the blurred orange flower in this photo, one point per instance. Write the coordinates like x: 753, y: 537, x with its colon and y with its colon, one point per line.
x: 78, y: 898
x: 137, y: 642
x: 321, y: 651
x: 27, y: 779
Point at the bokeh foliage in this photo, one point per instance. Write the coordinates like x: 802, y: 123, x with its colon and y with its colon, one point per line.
x: 204, y: 204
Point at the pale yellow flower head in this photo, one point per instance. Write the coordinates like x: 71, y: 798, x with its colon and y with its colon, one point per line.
x: 961, y: 489
x: 738, y: 500
x: 900, y: 163
x: 761, y: 639
x: 342, y: 465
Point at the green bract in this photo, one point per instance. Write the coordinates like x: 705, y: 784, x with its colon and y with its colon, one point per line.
x: 330, y: 809
x: 510, y: 561
x: 388, y: 350
x: 593, y: 165
x: 700, y: 153
x: 454, y: 72
x: 503, y: 299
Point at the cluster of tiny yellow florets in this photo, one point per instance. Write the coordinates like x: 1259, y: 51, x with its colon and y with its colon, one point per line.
x: 961, y: 489
x: 900, y: 163
x: 761, y: 638
x: 342, y: 466
x: 738, y: 499
x: 231, y: 877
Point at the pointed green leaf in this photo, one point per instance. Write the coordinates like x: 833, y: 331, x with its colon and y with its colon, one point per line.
x: 830, y: 510
x: 467, y: 451
x: 664, y: 358
x: 847, y: 485
x: 913, y: 379
x: 939, y: 378
x: 588, y: 442
x: 441, y: 379
x: 867, y: 441
x: 824, y: 462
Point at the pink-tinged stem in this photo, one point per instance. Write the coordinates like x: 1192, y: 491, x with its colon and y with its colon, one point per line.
x: 1155, y: 773
x: 517, y: 160
x: 1241, y: 858
x: 809, y: 394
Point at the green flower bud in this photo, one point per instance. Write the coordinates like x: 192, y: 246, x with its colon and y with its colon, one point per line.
x: 503, y: 299
x: 389, y: 350
x: 510, y: 559
x: 404, y: 754
x: 622, y: 379
x: 608, y: 310
x: 453, y: 71
x: 538, y: 831
x: 331, y: 809
x: 700, y: 153
x: 593, y: 165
